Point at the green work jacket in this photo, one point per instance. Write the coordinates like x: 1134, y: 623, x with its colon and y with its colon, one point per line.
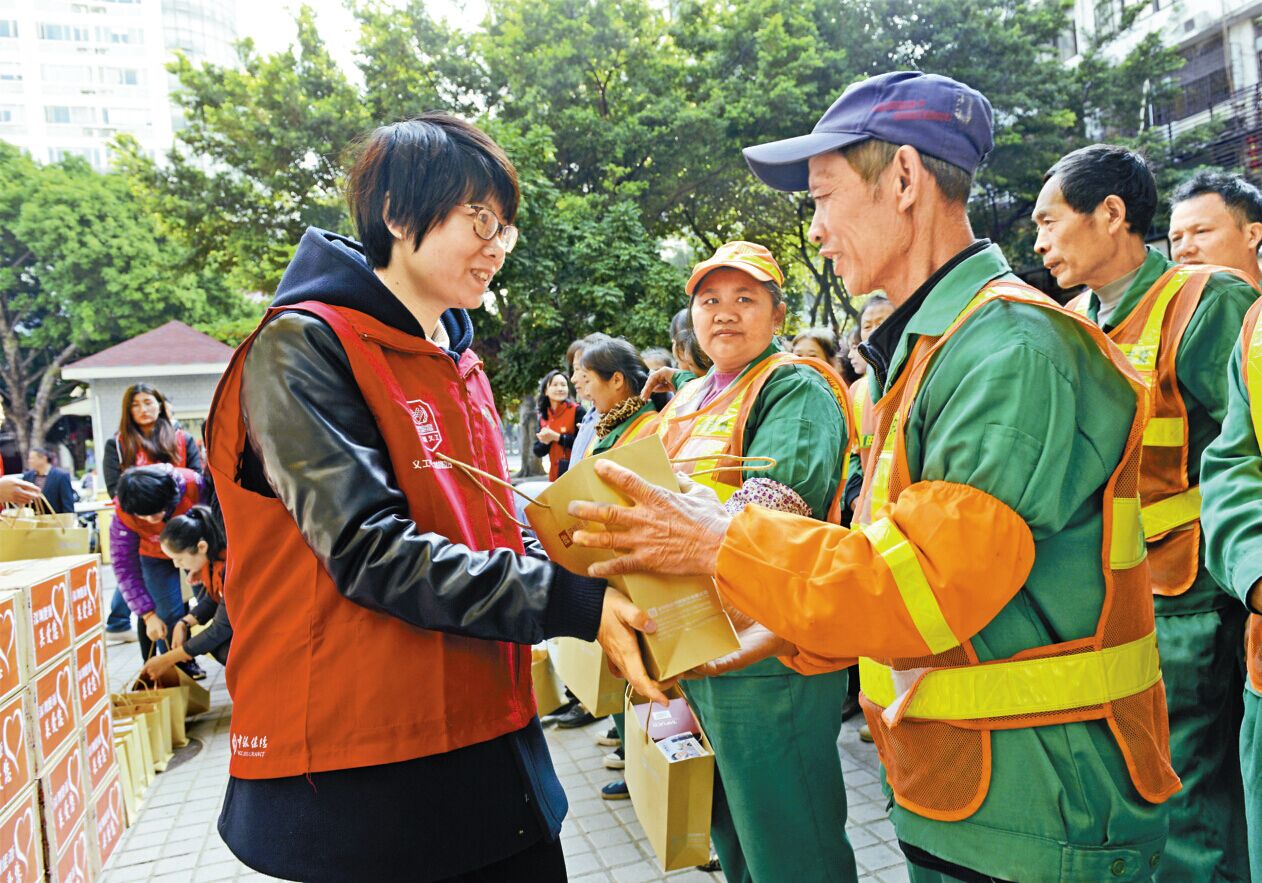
x: 1021, y: 404
x: 1201, y: 365
x: 793, y: 416
x: 1231, y: 483
x: 611, y: 439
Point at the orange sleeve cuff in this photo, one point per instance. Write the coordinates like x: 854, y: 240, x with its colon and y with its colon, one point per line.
x: 827, y: 589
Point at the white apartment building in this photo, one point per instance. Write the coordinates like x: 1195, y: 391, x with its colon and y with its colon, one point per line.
x: 74, y: 73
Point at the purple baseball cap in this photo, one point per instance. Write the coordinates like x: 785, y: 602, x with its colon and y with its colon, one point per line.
x: 938, y: 116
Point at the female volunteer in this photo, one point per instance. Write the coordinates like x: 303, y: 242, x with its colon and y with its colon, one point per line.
x: 382, y: 602
x: 559, y: 417
x: 780, y: 802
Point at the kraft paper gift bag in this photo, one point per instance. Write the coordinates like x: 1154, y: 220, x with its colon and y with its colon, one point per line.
x: 692, y: 627
x: 156, y: 732
x: 672, y: 798
x: 197, y: 697
x: 40, y: 532
x: 583, y: 668
x: 547, y: 697
x: 177, y: 699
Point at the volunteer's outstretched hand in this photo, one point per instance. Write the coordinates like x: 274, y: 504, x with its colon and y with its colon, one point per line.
x: 619, y: 621
x: 662, y: 532
x: 757, y: 644
x: 13, y: 489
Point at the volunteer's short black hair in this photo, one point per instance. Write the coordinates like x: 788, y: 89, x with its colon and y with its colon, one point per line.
x: 1090, y: 175
x: 146, y: 490
x: 1242, y: 198
x: 427, y: 166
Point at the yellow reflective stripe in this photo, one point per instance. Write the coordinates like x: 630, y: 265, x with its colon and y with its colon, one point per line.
x: 1023, y: 686
x: 881, y: 472
x: 1171, y: 512
x: 1253, y: 377
x: 1127, y: 547
x: 899, y: 556
x: 1164, y: 432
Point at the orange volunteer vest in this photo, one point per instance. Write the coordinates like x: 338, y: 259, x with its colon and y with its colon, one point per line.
x: 716, y: 433
x: 565, y: 422
x: 1171, y: 505
x: 148, y: 532
x: 936, y: 748
x: 318, y: 682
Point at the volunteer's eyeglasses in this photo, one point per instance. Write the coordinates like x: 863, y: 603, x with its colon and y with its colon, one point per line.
x: 488, y: 226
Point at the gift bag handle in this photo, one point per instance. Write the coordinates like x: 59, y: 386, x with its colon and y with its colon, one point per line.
x: 475, y: 475
x: 767, y: 463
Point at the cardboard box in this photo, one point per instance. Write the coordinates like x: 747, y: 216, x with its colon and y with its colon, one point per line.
x: 107, y: 816
x: 85, y: 597
x: 51, y: 710
x: 74, y: 863
x: 98, y: 747
x: 13, y: 635
x: 90, y: 673
x: 46, y: 587
x: 17, y: 768
x: 63, y: 798
x: 21, y: 843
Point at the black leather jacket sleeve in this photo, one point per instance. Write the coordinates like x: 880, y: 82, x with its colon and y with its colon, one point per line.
x: 323, y: 456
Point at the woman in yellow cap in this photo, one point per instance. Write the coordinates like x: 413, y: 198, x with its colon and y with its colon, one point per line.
x: 774, y: 731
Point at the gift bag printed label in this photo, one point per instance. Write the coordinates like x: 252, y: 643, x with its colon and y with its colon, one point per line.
x: 108, y: 818
x: 50, y: 619
x: 85, y: 599
x: 98, y: 746
x: 16, y: 769
x: 21, y: 846
x: 89, y: 672
x: 692, y: 627
x: 65, y: 804
x: 671, y: 790
x: 54, y: 713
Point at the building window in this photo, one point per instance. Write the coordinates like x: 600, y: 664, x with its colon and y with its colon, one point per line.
x: 129, y: 117
x: 62, y: 32
x: 8, y: 29
x: 82, y: 116
x: 10, y: 72
x: 10, y: 114
x: 68, y: 74
x: 121, y: 76
x: 91, y: 154
x: 1105, y: 16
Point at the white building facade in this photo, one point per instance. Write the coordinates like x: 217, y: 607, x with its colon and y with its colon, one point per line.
x: 74, y: 73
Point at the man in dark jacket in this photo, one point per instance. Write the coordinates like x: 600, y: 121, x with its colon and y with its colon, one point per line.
x: 52, y: 481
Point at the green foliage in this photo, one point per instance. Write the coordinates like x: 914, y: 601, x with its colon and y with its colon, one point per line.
x: 626, y: 119
x: 82, y: 267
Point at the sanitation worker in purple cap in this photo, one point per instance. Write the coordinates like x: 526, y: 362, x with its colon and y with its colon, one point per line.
x: 995, y: 587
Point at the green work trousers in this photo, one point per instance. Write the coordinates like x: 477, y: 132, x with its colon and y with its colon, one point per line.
x: 779, y: 797
x: 1202, y: 664
x: 1251, y: 767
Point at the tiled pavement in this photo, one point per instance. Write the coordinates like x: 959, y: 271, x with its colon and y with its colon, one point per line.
x: 175, y: 839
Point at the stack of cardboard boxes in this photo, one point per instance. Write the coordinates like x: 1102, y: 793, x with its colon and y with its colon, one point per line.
x: 61, y: 799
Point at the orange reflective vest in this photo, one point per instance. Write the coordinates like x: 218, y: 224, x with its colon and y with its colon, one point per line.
x: 1171, y: 505
x: 641, y: 427
x: 861, y: 406
x: 1251, y: 366
x: 715, y: 434
x: 931, y: 717
x: 319, y: 682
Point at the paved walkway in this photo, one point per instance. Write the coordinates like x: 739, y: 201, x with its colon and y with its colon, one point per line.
x: 175, y: 839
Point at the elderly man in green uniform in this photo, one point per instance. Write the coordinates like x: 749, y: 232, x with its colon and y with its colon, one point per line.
x: 1231, y: 479
x: 1177, y: 325
x: 996, y: 521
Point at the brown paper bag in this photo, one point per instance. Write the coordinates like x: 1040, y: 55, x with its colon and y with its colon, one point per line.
x: 197, y: 697
x: 672, y: 799
x: 583, y: 668
x: 125, y: 775
x: 548, y: 697
x: 177, y: 700
x: 22, y: 539
x: 135, y: 727
x: 692, y: 627
x: 156, y: 733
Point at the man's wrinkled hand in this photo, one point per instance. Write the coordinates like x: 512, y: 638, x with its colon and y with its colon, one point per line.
x: 619, y: 622
x: 757, y: 643
x: 661, y: 532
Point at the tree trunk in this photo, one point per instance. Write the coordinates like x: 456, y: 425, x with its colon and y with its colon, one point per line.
x: 527, y: 418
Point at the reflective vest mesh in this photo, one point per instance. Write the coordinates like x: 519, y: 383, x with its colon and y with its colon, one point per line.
x: 941, y: 769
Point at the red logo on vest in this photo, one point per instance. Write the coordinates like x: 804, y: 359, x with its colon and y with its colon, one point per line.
x: 423, y: 420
